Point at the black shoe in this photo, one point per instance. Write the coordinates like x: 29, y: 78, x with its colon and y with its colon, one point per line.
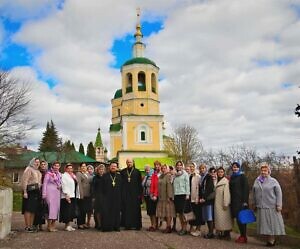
x: 209, y: 236
x: 30, y: 230
x: 35, y: 229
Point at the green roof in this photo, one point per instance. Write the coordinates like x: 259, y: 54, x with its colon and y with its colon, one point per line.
x: 115, y: 127
x: 139, y: 60
x: 118, y: 94
x: 22, y: 160
x: 140, y: 162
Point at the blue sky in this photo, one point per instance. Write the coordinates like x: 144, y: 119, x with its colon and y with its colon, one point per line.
x: 223, y: 65
x: 121, y: 48
x: 14, y: 54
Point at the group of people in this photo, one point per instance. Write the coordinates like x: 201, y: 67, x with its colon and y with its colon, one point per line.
x: 196, y: 196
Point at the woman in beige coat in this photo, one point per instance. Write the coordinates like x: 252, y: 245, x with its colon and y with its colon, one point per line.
x: 31, y: 184
x: 165, y: 207
x: 223, y: 219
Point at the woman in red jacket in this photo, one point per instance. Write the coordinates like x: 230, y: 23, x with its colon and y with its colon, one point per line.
x: 154, y: 195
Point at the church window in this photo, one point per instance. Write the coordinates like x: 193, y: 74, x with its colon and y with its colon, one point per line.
x: 141, y: 81
x: 153, y: 83
x: 119, y: 112
x: 128, y: 83
x: 143, y: 136
x: 142, y: 104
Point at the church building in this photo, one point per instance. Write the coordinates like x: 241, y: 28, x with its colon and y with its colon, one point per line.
x: 137, y: 125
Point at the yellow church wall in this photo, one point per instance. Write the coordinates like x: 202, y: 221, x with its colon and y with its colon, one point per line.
x: 132, y: 136
x: 116, y: 104
x: 140, y: 107
x: 116, y: 145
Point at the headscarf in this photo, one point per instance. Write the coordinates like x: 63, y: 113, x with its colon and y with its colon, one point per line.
x: 239, y: 166
x: 32, y: 163
x: 150, y: 172
x: 90, y: 167
x: 55, y: 175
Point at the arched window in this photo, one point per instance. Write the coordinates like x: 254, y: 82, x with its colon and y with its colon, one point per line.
x: 141, y: 81
x: 153, y: 83
x: 143, y: 134
x: 128, y: 83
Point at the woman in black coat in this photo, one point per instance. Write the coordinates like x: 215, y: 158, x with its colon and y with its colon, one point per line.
x: 239, y: 192
x: 207, y: 198
x: 96, y: 194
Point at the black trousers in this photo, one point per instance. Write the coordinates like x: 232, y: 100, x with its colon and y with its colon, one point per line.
x: 82, y: 212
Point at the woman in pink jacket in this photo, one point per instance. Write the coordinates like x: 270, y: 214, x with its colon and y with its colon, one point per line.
x: 51, y: 193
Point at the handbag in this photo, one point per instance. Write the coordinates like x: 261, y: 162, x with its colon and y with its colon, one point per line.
x: 246, y: 216
x: 211, y: 196
x: 188, y: 212
x: 32, y: 187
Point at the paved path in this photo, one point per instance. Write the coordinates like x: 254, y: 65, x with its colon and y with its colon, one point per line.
x: 90, y: 239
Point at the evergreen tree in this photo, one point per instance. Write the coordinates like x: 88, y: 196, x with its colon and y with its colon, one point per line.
x: 81, y: 149
x: 67, y: 146
x: 91, y: 151
x: 50, y: 140
x: 73, y: 147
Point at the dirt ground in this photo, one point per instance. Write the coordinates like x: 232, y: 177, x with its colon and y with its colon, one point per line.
x: 91, y: 238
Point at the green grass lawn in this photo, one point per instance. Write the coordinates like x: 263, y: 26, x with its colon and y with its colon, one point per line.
x: 17, y: 201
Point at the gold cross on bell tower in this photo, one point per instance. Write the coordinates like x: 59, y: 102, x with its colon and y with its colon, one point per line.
x: 138, y: 34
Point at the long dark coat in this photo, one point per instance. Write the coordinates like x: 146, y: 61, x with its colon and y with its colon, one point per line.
x: 131, y: 199
x: 96, y: 193
x: 207, y: 189
x: 239, y: 193
x: 111, y: 207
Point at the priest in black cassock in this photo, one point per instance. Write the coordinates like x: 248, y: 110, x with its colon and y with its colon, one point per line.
x: 132, y: 190
x: 111, y: 194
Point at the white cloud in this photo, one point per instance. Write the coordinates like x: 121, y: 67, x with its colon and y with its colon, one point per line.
x: 22, y: 10
x: 209, y: 53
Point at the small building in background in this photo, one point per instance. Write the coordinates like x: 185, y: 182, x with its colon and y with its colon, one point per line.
x: 17, y: 162
x: 100, y: 150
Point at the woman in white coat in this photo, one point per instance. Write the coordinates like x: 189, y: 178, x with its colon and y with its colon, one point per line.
x: 194, y: 197
x: 70, y: 193
x: 223, y: 219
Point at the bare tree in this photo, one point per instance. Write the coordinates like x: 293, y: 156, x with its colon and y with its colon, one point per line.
x: 184, y: 144
x: 14, y: 100
x: 224, y: 157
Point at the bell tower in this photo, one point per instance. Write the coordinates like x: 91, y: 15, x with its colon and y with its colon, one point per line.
x: 137, y: 124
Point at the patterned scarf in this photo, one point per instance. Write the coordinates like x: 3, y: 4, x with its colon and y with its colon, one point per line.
x: 55, y: 175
